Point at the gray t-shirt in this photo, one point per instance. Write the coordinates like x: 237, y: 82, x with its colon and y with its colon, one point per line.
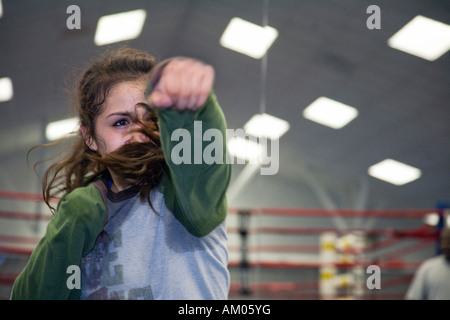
x: 143, y: 254
x: 431, y: 281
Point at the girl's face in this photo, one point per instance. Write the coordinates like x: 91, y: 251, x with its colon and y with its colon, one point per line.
x: 116, y: 125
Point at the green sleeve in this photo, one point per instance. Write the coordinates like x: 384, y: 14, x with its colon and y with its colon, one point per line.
x: 70, y: 235
x: 195, y: 192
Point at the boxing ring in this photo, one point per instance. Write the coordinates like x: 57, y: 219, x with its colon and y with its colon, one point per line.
x: 278, y: 253
x: 301, y: 254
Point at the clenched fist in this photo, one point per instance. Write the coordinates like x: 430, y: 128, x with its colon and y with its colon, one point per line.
x: 183, y: 83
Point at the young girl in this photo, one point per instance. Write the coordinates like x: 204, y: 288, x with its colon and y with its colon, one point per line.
x: 134, y: 224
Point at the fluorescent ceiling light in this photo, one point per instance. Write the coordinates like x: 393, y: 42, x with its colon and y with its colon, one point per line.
x: 245, y: 149
x: 423, y: 37
x: 119, y: 27
x: 265, y: 125
x: 1, y: 9
x: 61, y: 128
x: 6, y: 89
x: 248, y: 38
x: 394, y: 172
x: 330, y: 113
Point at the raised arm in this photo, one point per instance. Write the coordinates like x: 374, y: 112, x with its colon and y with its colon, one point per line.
x: 194, y: 189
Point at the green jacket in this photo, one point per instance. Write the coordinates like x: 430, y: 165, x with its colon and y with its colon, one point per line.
x: 194, y: 193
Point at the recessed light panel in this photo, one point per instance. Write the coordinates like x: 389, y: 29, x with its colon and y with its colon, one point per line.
x: 119, y: 27
x: 245, y: 149
x: 265, y: 125
x: 248, y: 38
x: 423, y: 37
x: 61, y: 128
x: 6, y: 89
x: 330, y: 113
x: 394, y: 172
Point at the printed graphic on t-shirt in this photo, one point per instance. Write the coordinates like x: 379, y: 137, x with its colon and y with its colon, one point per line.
x: 102, y: 272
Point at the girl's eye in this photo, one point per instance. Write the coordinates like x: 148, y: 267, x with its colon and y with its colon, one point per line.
x: 122, y: 122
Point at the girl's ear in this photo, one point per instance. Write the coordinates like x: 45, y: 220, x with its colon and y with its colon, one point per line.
x: 88, y: 138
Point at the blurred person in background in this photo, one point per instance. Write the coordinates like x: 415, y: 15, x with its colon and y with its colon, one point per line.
x: 432, y: 279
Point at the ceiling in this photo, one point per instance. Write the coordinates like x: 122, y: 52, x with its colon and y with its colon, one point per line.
x: 323, y: 49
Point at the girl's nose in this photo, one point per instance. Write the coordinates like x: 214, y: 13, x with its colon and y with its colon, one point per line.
x: 137, y: 135
x: 140, y: 137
